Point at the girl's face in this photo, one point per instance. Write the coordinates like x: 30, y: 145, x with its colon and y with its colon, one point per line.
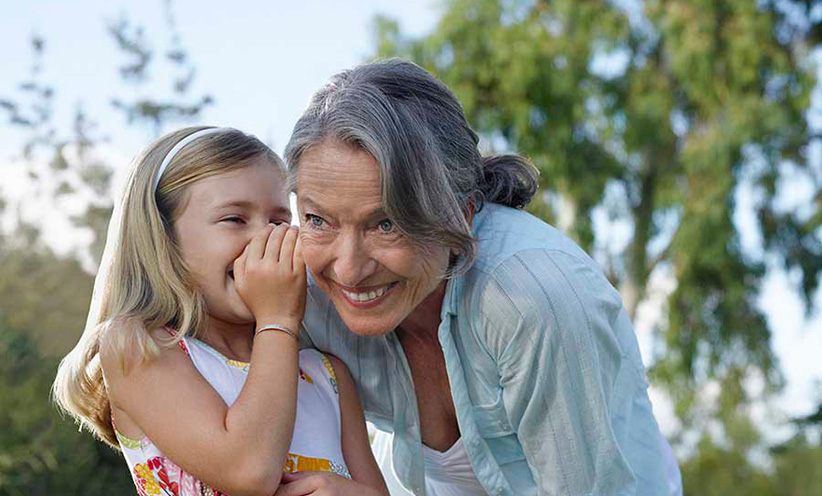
x: 221, y: 214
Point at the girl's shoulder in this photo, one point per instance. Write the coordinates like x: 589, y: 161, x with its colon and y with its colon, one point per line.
x: 315, y: 364
x: 125, y: 344
x: 137, y: 365
x: 310, y: 357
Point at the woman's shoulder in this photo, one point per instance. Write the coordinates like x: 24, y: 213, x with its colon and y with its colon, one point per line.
x: 504, y: 234
x: 530, y: 275
x: 537, y: 283
x: 521, y: 255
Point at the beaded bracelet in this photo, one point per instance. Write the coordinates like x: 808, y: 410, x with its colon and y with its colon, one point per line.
x: 276, y: 327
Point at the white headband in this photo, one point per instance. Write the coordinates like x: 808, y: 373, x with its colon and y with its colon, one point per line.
x: 179, y: 146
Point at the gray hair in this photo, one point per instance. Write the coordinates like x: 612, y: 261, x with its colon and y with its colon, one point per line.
x: 431, y: 170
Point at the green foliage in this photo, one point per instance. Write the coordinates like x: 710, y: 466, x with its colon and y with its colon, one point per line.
x: 150, y: 109
x: 44, y: 297
x: 798, y: 467
x: 42, y: 453
x: 42, y: 293
x: 659, y: 113
x: 659, y: 117
x: 74, y: 166
x: 718, y: 470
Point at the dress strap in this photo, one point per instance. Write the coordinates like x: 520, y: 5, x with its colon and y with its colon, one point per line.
x: 181, y: 343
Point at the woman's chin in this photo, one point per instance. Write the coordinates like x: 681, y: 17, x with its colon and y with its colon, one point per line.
x: 367, y: 327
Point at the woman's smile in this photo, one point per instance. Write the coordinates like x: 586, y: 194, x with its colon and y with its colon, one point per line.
x: 367, y: 297
x: 375, y: 276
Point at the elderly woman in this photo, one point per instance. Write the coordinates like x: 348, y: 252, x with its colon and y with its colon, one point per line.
x: 489, y: 344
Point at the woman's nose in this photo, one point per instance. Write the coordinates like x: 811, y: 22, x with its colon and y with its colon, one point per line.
x: 353, y: 263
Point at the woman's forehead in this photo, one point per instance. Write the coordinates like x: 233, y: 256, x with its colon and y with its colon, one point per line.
x: 334, y: 172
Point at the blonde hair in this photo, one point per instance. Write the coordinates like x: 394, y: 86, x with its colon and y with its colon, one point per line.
x: 147, y: 286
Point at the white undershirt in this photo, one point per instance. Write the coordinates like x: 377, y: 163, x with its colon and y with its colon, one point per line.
x: 450, y: 473
x: 446, y: 474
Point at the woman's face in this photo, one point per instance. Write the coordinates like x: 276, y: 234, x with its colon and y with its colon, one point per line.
x: 375, y: 277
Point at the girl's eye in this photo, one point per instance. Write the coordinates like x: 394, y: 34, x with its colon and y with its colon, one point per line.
x: 234, y: 219
x: 386, y: 226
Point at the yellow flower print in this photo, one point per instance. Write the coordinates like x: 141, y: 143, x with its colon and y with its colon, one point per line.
x: 144, y: 478
x: 332, y: 377
x: 304, y: 376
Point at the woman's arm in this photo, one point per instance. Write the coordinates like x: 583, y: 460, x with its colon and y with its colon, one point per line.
x: 558, y: 333
x: 239, y: 450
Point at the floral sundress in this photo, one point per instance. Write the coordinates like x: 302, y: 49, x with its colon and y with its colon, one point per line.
x: 315, y: 445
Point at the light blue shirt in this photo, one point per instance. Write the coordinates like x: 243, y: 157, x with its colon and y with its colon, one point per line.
x: 545, y: 370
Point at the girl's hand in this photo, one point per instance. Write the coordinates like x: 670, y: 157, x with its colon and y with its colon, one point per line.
x: 322, y: 484
x: 270, y: 276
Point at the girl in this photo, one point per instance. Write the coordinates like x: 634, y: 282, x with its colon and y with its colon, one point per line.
x: 191, y: 341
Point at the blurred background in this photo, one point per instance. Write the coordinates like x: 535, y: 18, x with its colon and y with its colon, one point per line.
x: 679, y: 142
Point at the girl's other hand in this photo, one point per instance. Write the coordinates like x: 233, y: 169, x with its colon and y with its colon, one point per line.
x: 322, y: 484
x: 270, y: 276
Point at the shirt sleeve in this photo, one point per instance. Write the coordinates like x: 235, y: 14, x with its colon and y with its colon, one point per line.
x: 547, y: 317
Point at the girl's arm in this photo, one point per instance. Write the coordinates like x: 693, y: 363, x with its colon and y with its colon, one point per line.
x: 239, y: 450
x: 356, y: 448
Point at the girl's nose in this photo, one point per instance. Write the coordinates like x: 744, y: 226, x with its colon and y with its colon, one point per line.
x: 256, y: 228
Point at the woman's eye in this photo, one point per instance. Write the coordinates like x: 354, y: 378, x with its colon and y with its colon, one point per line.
x: 234, y: 219
x: 386, y: 226
x: 314, y: 221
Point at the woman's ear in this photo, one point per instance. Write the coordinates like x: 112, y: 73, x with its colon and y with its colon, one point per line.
x: 469, y: 210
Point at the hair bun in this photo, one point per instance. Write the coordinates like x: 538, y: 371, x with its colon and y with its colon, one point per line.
x: 509, y: 180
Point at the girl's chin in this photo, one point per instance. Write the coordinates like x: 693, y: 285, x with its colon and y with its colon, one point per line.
x: 244, y: 316
x: 235, y: 312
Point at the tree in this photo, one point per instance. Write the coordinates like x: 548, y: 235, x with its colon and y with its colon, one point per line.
x: 44, y: 297
x: 41, y: 453
x: 798, y: 466
x: 42, y: 293
x: 70, y: 163
x: 657, y: 114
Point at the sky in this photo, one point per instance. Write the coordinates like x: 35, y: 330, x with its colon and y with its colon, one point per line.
x: 262, y: 60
